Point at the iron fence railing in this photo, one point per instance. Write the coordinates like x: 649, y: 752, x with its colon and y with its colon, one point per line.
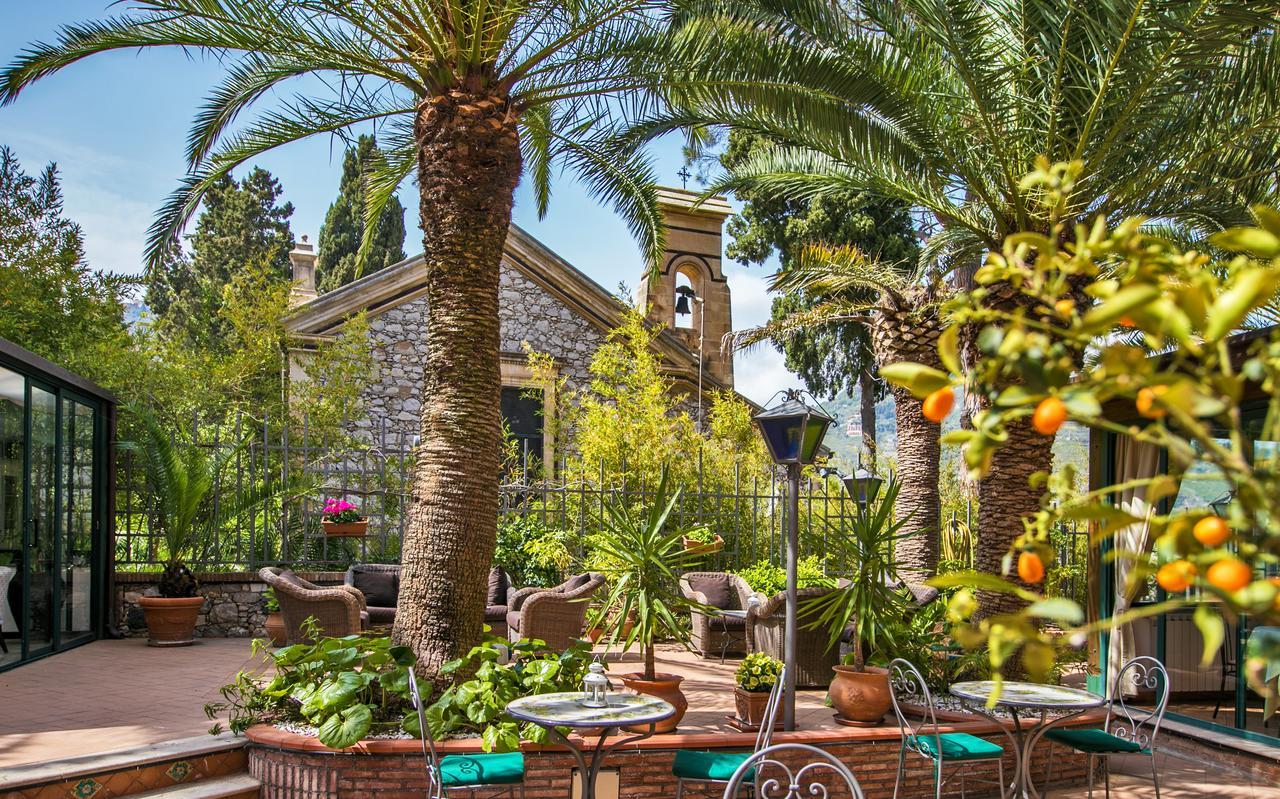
x: 746, y: 507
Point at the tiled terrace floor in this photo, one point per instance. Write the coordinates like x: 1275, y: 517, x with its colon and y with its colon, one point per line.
x: 116, y: 694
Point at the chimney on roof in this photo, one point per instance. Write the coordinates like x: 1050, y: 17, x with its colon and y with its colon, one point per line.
x: 303, y: 260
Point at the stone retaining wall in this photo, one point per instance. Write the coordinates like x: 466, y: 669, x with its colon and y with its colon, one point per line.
x: 233, y: 606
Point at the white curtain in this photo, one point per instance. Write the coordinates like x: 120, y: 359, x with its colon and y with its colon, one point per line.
x: 1134, y: 460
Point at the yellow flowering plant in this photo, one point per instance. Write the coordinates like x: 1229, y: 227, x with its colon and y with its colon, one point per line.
x: 1124, y: 320
x: 757, y: 672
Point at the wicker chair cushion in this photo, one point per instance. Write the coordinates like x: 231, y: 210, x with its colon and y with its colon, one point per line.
x: 379, y: 615
x: 499, y: 582
x: 718, y: 589
x: 495, y: 612
x: 513, y: 620
x: 574, y: 583
x: 500, y: 769
x: 379, y: 588
x: 729, y: 623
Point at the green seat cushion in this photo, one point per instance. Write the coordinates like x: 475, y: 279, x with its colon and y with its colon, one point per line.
x: 708, y: 765
x: 1093, y: 741
x: 504, y: 769
x: 959, y: 746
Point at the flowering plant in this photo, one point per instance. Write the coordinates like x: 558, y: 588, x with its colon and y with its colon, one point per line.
x: 757, y: 672
x: 339, y: 511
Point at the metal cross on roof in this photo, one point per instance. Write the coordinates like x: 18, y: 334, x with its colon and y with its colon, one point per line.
x: 684, y: 177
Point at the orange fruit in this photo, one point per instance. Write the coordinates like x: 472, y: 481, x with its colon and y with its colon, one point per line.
x: 1146, y: 402
x: 1126, y: 321
x: 1049, y: 416
x: 1065, y: 306
x: 1211, y: 531
x: 1175, y: 576
x: 937, y: 405
x: 1030, y: 568
x: 1230, y: 574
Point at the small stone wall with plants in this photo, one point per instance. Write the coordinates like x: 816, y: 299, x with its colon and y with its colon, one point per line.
x: 234, y: 606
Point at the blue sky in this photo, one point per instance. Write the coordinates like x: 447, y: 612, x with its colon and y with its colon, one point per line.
x: 116, y: 126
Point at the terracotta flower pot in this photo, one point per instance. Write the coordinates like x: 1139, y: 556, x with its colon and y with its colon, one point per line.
x: 751, y: 706
x: 699, y: 548
x: 356, y: 529
x: 665, y: 687
x: 861, y: 698
x: 171, y: 621
x: 275, y: 629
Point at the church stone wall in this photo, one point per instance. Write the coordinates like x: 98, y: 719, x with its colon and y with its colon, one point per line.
x: 529, y: 314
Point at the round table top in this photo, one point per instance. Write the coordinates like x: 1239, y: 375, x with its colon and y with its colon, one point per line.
x: 1027, y: 694
x: 566, y: 710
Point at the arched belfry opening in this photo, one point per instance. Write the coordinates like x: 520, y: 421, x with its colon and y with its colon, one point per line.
x: 689, y: 294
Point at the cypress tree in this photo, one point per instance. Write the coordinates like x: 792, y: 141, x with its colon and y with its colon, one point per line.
x: 344, y: 225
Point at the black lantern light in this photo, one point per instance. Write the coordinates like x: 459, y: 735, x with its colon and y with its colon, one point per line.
x: 792, y: 430
x: 1222, y: 505
x: 682, y: 301
x: 863, y: 486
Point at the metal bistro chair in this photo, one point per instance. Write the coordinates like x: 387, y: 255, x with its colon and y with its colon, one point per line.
x: 720, y: 767
x: 503, y: 772
x: 1123, y: 732
x: 773, y: 779
x: 924, y: 739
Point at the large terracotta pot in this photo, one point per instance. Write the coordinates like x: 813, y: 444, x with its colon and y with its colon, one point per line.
x: 751, y: 706
x: 665, y: 687
x: 861, y: 698
x: 171, y: 621
x: 275, y: 629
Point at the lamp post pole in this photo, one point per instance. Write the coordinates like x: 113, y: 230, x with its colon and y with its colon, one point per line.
x: 789, y: 633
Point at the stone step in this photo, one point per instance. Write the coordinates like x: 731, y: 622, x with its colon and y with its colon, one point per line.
x: 235, y: 786
x: 128, y: 772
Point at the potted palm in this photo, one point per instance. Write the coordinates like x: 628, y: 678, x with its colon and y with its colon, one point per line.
x: 869, y: 600
x: 753, y: 680
x: 643, y: 558
x: 188, y: 510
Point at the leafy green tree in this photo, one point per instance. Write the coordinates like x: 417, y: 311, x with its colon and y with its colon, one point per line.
x: 834, y: 357
x: 240, y: 224
x: 51, y: 301
x: 343, y: 229
x: 1170, y: 109
x: 468, y: 95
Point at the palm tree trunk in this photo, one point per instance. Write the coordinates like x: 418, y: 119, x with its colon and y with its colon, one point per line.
x: 468, y: 168
x: 911, y: 334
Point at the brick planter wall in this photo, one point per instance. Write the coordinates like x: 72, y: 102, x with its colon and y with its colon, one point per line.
x: 293, y: 767
x: 233, y: 605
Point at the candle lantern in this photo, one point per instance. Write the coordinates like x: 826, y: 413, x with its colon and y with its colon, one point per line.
x: 595, y: 684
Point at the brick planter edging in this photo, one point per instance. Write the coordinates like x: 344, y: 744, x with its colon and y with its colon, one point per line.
x: 288, y: 764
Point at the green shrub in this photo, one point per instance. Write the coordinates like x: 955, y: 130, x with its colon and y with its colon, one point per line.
x: 531, y: 552
x: 769, y: 579
x: 757, y: 672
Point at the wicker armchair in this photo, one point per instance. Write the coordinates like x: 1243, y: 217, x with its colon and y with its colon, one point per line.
x: 555, y: 615
x: 379, y: 597
x: 339, y: 609
x: 814, y: 659
x: 723, y: 591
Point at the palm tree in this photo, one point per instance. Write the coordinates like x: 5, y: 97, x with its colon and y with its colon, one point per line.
x: 902, y: 317
x: 467, y: 96
x: 1168, y: 110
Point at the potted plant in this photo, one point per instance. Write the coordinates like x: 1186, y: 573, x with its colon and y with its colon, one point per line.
x: 275, y: 620
x: 340, y: 518
x: 753, y: 681
x: 701, y: 541
x: 643, y: 560
x: 870, y: 599
x: 188, y: 509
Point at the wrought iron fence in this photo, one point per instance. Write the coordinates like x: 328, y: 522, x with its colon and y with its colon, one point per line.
x: 374, y: 470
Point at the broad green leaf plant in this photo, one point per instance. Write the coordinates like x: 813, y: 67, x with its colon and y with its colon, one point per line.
x: 1121, y: 324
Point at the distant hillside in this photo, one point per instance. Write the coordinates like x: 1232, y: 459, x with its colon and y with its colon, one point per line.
x: 845, y: 436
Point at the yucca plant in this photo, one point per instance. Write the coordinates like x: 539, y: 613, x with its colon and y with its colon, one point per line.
x: 467, y: 97
x: 189, y: 505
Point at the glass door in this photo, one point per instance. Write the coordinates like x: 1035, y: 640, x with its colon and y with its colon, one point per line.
x: 76, y: 514
x: 13, y: 448
x: 42, y: 521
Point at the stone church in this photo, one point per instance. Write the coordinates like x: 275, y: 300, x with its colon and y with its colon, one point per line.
x: 546, y: 302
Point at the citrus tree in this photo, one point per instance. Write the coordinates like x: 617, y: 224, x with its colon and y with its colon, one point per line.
x: 1160, y: 331
x: 467, y: 98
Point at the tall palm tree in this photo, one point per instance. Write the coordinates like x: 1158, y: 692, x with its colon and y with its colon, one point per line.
x: 467, y: 96
x: 1171, y: 111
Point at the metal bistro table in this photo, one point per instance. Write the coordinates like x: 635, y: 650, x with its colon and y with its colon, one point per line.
x: 565, y: 710
x: 1031, y: 698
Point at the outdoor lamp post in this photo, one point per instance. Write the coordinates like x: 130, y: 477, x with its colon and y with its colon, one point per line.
x: 863, y: 486
x: 793, y: 433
